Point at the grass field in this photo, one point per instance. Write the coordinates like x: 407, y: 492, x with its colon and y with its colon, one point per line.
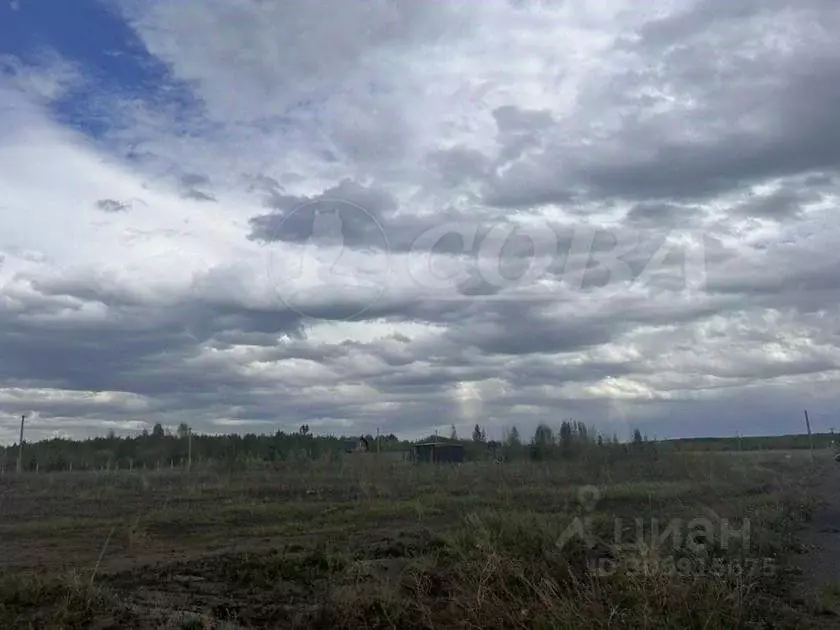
x: 368, y: 543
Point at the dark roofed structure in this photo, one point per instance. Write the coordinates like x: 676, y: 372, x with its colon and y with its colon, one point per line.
x: 449, y: 452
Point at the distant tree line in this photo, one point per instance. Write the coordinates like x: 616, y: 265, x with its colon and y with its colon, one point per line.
x: 757, y: 443
x: 160, y: 448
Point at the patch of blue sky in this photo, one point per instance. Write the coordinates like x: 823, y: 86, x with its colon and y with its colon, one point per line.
x: 117, y: 69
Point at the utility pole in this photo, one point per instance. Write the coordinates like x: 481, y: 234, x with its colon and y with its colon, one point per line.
x: 810, y: 438
x: 189, y: 448
x: 20, y: 445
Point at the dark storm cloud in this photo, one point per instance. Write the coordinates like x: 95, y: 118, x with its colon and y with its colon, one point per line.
x: 458, y: 165
x: 197, y: 195
x: 760, y: 371
x: 538, y: 371
x: 779, y: 205
x: 543, y: 336
x: 357, y: 210
x: 112, y: 205
x: 533, y: 182
x: 85, y: 288
x: 529, y: 327
x: 821, y: 180
x: 653, y: 214
x: 780, y: 274
x: 263, y: 183
x: 194, y: 179
x: 789, y: 199
x: 431, y: 381
x: 76, y: 356
x: 371, y: 200
x: 473, y: 234
x: 514, y: 120
x: 189, y: 184
x: 475, y: 285
x: 519, y: 130
x: 366, y: 218
x: 140, y: 347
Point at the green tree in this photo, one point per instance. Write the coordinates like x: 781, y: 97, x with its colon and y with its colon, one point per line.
x: 543, y: 436
x: 542, y: 444
x: 478, y: 434
x: 566, y: 436
x: 513, y: 438
x: 637, y: 437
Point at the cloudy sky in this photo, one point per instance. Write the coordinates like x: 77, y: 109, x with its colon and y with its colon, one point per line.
x: 249, y: 214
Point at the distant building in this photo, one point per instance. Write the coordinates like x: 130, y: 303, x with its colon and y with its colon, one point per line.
x: 357, y: 445
x: 438, y: 452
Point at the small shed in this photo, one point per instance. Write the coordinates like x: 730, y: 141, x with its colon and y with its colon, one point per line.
x: 438, y: 452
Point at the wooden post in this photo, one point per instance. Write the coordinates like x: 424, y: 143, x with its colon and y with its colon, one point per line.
x: 377, y: 440
x: 20, y: 446
x: 810, y: 437
x: 189, y: 448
